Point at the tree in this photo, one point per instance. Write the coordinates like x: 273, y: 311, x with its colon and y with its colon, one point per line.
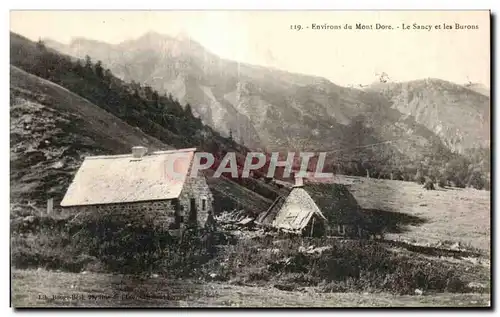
x: 188, y: 111
x: 88, y: 62
x: 148, y: 91
x: 78, y: 67
x: 170, y: 98
x: 41, y: 45
x: 155, y: 97
x: 476, y: 180
x: 456, y: 171
x: 99, y: 71
x: 108, y: 77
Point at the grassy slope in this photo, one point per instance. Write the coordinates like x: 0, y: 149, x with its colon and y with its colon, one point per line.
x: 52, y: 129
x: 99, y: 122
x: 460, y: 215
x: 27, y: 285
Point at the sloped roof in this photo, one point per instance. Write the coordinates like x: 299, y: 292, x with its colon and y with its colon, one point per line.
x: 332, y: 202
x: 266, y: 218
x: 296, y: 211
x: 335, y: 201
x: 230, y: 195
x: 123, y: 178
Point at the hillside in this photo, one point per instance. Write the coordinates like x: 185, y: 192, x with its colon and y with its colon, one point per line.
x: 272, y: 109
x: 479, y: 88
x: 77, y: 110
x: 458, y: 115
x: 362, y: 134
x: 262, y: 107
x: 52, y: 129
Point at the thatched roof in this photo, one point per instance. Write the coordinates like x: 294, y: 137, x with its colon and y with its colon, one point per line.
x: 331, y: 202
x: 230, y: 195
x: 298, y: 208
x: 126, y: 179
x: 335, y: 202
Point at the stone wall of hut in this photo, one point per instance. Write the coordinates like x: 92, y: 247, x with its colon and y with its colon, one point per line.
x: 196, y: 188
x: 161, y: 213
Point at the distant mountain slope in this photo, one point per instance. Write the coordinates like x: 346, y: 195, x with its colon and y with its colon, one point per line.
x: 479, y: 88
x: 262, y: 107
x: 360, y: 130
x: 274, y: 109
x: 458, y: 115
x: 52, y: 129
x: 269, y: 108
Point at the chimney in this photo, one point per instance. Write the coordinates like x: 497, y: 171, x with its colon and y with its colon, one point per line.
x: 299, y: 182
x: 139, y: 151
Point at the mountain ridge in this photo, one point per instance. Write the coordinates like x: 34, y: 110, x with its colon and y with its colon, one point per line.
x: 367, y: 135
x: 239, y: 98
x: 457, y: 114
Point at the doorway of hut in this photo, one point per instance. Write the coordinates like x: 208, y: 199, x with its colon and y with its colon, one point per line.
x: 315, y: 227
x: 193, y: 213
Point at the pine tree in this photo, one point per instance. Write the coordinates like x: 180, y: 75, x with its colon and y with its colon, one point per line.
x: 99, y: 71
x: 41, y: 45
x: 188, y: 111
x: 88, y: 62
x: 78, y: 67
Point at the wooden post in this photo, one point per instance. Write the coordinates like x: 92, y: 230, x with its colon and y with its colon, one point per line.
x: 312, y: 226
x: 50, y: 205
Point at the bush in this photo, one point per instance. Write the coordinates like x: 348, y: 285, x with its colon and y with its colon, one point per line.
x: 442, y: 183
x: 429, y: 185
x: 106, y: 243
x: 476, y: 180
x: 420, y: 178
x: 347, y: 266
x: 114, y: 245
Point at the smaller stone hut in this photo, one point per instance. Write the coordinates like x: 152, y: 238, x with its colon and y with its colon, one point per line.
x: 315, y: 209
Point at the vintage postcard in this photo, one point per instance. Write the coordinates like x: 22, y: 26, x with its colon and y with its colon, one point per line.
x: 250, y: 159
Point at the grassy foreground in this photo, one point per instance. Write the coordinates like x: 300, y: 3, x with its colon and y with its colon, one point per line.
x: 438, y: 242
x: 37, y: 288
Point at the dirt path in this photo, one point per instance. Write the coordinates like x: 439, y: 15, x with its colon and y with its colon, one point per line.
x: 32, y: 288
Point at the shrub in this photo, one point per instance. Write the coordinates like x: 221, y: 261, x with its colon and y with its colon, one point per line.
x: 114, y: 245
x: 347, y: 266
x: 442, y: 183
x: 420, y: 178
x: 106, y: 243
x: 429, y: 185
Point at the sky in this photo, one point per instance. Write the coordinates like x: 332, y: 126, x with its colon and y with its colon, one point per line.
x: 348, y: 57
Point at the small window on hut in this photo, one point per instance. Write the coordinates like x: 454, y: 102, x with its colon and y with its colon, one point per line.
x: 193, y: 214
x: 177, y: 214
x: 203, y: 204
